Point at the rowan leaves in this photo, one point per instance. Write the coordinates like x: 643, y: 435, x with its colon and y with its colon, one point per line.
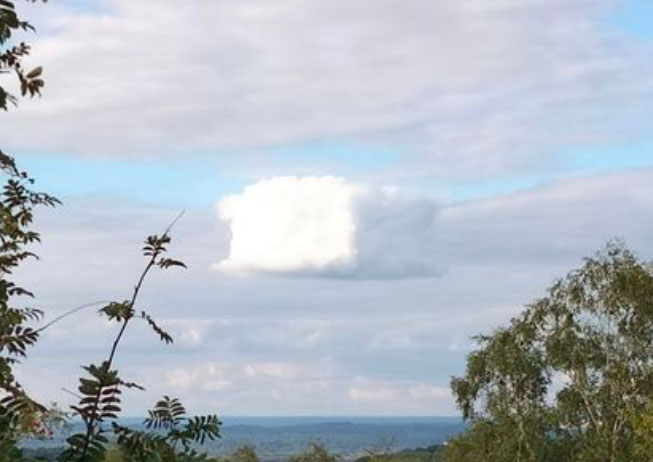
x: 101, y: 391
x: 18, y: 201
x: 163, y: 335
x: 101, y: 388
x: 117, y: 311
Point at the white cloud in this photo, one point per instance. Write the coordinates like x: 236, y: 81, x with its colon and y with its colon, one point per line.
x: 325, y: 226
x: 290, y: 224
x: 279, y: 370
x: 389, y: 392
x: 374, y: 393
x: 499, y: 254
x: 427, y: 391
x: 478, y: 86
x: 210, y: 376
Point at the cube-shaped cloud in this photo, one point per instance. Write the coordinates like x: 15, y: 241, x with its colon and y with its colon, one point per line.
x: 326, y: 226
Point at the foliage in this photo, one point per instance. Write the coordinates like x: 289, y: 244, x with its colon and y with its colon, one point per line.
x: 168, y: 415
x: 643, y: 434
x: 20, y: 415
x: 571, y: 379
x: 101, y: 389
x: 245, y: 453
x: 428, y: 454
x: 100, y: 393
x: 11, y: 58
x: 316, y: 452
x: 381, y: 452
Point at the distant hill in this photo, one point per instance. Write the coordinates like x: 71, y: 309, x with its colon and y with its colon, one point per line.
x: 277, y: 438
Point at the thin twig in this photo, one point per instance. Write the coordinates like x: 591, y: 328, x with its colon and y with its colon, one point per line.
x: 174, y: 222
x: 65, y: 390
x: 73, y: 311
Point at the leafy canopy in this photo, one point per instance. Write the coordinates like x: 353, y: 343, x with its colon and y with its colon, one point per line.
x: 571, y: 379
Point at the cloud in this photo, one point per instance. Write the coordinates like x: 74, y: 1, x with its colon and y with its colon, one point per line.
x: 391, y: 392
x: 277, y: 370
x: 210, y: 376
x: 290, y: 224
x: 475, y: 87
x: 325, y: 226
x: 308, y: 341
x: 421, y: 391
x: 375, y: 394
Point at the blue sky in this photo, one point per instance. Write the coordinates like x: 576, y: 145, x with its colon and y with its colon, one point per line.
x: 198, y: 180
x: 634, y: 17
x: 364, y: 190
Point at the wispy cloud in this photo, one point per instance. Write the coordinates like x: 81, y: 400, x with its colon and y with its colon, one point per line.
x: 469, y: 87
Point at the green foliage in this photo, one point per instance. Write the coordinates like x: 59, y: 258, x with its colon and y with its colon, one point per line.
x: 642, y: 424
x: 171, y: 436
x: 593, y: 332
x: 429, y: 454
x: 20, y: 415
x: 167, y: 413
x: 176, y: 444
x: 113, y: 455
x: 105, y: 383
x: 31, y: 81
x: 508, y: 375
x: 380, y: 452
x: 100, y: 390
x: 163, y: 335
x: 245, y: 453
x: 316, y: 452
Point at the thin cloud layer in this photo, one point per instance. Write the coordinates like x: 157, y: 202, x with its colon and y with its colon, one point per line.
x: 312, y: 345
x: 475, y: 87
x: 424, y: 94
x: 325, y: 226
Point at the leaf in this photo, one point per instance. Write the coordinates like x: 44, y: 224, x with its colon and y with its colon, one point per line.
x: 163, y: 335
x: 34, y: 72
x: 169, y: 262
x: 117, y: 311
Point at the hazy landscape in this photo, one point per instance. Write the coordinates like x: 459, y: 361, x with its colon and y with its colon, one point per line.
x: 279, y: 438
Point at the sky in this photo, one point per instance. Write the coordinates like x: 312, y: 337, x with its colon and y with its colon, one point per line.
x: 366, y: 185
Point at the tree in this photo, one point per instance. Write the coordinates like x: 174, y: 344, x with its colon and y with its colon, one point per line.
x: 593, y: 334
x: 11, y: 58
x: 380, y: 452
x: 507, y: 374
x: 100, y: 392
x: 244, y: 453
x: 316, y: 452
x: 101, y: 389
x: 172, y: 437
x: 642, y: 423
x: 20, y: 415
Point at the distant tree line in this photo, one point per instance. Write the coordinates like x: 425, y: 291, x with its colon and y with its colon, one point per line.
x: 316, y: 452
